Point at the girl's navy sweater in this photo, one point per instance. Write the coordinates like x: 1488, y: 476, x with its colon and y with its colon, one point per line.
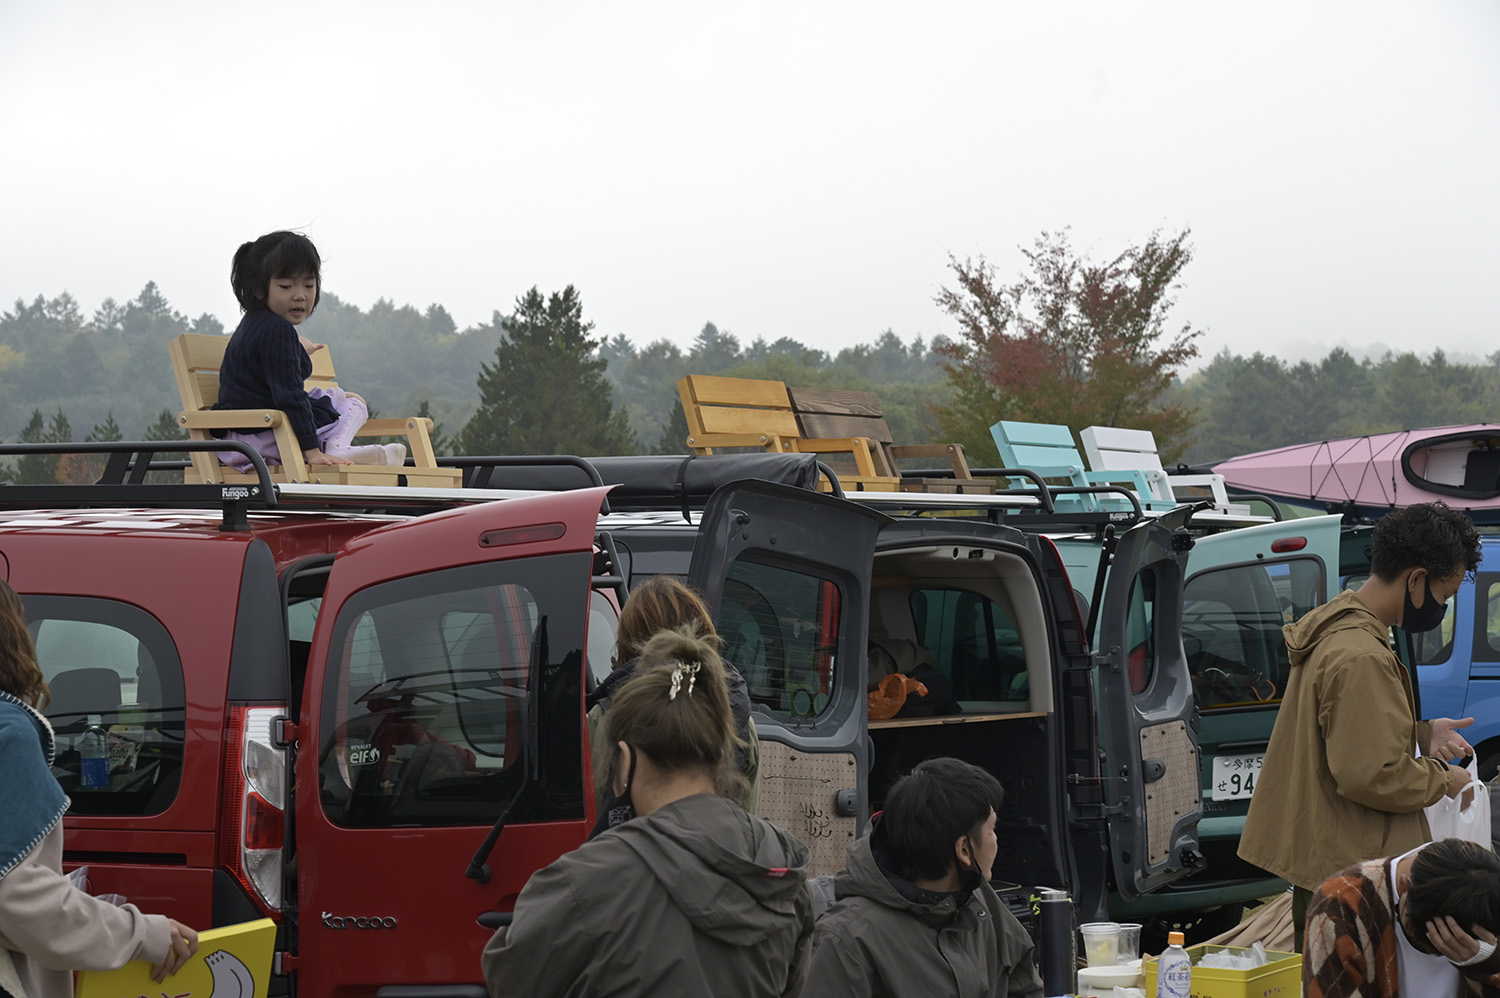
x: 264, y: 368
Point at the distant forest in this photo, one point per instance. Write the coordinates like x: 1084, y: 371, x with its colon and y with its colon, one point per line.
x: 108, y: 374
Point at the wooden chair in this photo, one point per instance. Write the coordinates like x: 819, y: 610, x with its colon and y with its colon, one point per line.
x: 1048, y: 450
x: 195, y: 362
x: 831, y: 413
x: 1114, y: 448
x: 746, y: 412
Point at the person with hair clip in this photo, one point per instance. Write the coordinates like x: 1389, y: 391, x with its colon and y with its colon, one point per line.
x: 693, y: 896
x: 915, y: 912
x: 49, y: 928
x: 663, y: 603
x: 1419, y: 925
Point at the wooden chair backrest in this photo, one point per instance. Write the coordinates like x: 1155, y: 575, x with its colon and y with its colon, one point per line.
x: 714, y: 404
x: 195, y: 363
x: 831, y: 414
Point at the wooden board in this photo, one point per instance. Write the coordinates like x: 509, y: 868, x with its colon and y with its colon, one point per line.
x: 917, y: 722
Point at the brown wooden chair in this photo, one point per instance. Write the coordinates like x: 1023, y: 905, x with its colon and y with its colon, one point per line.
x: 746, y: 412
x: 195, y: 362
x: 824, y: 412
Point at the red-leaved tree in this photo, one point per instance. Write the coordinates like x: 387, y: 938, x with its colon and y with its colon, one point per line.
x: 1071, y: 342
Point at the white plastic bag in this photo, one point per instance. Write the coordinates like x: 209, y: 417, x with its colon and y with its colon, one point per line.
x: 1466, y: 816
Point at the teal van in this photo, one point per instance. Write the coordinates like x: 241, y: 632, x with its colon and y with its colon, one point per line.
x: 1241, y: 586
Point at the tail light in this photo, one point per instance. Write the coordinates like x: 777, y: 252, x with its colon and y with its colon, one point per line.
x: 255, y: 805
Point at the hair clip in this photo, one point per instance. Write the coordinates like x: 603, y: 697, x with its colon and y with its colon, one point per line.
x: 679, y: 671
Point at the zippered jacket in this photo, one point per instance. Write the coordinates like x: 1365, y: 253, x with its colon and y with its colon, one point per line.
x: 886, y: 937
x: 697, y: 898
x: 1341, y: 782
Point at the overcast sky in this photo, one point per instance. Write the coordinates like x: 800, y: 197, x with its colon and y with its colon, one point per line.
x: 779, y: 168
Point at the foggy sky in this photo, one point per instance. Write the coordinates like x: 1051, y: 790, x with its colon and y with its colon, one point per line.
x: 780, y: 169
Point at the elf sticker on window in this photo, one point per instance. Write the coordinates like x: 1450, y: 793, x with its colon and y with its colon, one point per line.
x: 363, y: 754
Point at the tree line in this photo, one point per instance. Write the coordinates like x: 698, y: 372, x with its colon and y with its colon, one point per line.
x: 1070, y: 340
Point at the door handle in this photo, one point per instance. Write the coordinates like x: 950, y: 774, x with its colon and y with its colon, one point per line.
x: 495, y: 919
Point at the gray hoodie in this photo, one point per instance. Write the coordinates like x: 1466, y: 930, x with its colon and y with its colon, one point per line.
x: 697, y: 898
x: 886, y: 937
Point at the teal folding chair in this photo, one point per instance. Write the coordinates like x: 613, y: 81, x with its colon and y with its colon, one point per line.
x: 1048, y: 450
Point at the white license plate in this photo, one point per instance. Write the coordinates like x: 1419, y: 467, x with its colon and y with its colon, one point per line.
x: 1235, y: 776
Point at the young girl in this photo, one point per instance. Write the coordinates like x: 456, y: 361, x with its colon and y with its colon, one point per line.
x: 276, y: 279
x: 694, y: 896
x: 48, y: 928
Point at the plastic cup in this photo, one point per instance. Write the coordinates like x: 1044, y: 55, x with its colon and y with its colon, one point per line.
x: 1130, y: 941
x: 1101, y: 943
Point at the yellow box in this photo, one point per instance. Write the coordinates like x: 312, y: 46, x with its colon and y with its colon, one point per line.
x: 1281, y: 977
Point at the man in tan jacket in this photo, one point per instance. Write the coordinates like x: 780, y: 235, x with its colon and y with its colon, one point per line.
x: 1349, y: 767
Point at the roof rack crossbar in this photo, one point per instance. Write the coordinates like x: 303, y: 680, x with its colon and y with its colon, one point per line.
x: 123, y: 481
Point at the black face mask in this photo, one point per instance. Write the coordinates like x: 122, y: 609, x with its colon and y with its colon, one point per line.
x: 1430, y: 614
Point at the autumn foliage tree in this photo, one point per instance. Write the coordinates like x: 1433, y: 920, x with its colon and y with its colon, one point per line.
x: 1072, y: 342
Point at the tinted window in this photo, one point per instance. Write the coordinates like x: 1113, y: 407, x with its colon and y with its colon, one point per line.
x: 973, y: 642
x: 1231, y: 628
x: 780, y: 629
x: 427, y: 692
x: 117, y: 663
x: 1140, y: 631
x: 604, y: 623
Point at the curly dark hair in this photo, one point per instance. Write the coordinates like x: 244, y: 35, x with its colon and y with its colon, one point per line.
x: 1429, y: 535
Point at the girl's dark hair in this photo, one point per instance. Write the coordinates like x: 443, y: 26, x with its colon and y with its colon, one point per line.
x: 660, y: 603
x: 20, y: 676
x: 276, y: 254
x: 929, y: 809
x: 1429, y: 535
x: 693, y: 729
x: 1453, y: 877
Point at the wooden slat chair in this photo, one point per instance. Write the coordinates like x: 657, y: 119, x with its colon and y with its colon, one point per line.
x: 746, y: 412
x: 195, y: 362
x: 1114, y: 448
x: 832, y: 413
x: 1048, y: 450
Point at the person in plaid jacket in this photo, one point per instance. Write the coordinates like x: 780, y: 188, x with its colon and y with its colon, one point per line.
x: 1419, y: 925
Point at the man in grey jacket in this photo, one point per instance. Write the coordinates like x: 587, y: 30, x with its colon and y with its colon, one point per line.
x: 915, y: 912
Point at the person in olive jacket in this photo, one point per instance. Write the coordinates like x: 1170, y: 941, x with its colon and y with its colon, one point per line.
x: 693, y: 896
x: 915, y: 912
x: 1343, y: 780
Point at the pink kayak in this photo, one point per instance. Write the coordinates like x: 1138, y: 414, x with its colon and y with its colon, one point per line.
x: 1457, y: 464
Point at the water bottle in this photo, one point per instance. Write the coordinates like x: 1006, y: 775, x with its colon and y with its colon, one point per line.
x: 93, y: 751
x: 1059, y: 952
x: 1174, y: 971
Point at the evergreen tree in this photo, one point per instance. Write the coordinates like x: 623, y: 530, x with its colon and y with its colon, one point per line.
x: 674, y: 433
x: 546, y: 392
x: 165, y: 428
x: 36, y: 469
x: 108, y: 430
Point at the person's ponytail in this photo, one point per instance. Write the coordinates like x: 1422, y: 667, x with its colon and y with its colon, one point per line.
x: 675, y: 709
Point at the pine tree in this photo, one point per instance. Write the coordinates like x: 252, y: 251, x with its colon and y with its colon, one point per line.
x: 674, y: 433
x: 546, y: 392
x: 36, y: 469
x: 439, y: 442
x: 108, y: 430
x: 165, y: 428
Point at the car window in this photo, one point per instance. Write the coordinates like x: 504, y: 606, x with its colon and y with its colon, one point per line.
x: 973, y: 641
x: 1231, y: 628
x: 426, y: 697
x: 1140, y: 631
x: 117, y: 692
x: 604, y: 623
x: 779, y: 628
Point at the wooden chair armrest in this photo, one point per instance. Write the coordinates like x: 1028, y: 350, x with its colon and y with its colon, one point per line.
x: 246, y: 420
x: 954, y: 453
x: 860, y: 447
x: 769, y: 441
x: 392, y: 427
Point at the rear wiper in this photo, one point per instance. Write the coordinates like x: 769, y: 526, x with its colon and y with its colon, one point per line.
x: 478, y: 868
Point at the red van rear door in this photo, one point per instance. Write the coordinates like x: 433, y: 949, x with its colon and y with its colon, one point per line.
x: 445, y: 687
